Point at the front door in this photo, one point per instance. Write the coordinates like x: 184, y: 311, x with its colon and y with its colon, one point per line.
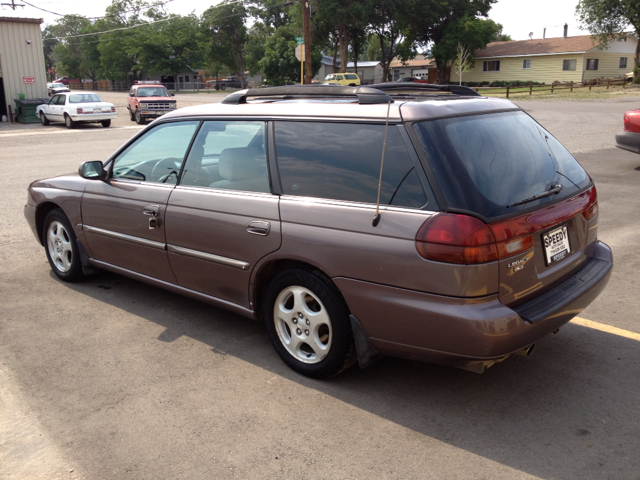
x: 124, y: 217
x: 222, y: 218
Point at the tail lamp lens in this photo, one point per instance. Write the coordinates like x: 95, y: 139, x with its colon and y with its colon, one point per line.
x: 467, y: 240
x: 113, y: 109
x: 455, y: 238
x: 80, y: 112
x: 626, y: 119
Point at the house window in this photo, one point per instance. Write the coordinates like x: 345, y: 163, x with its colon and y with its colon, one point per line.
x: 186, y: 78
x: 491, y: 66
x: 568, y: 65
x: 592, y: 64
x: 623, y: 62
x: 526, y: 64
x: 396, y: 75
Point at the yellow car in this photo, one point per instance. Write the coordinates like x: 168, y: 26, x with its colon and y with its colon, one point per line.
x: 349, y: 79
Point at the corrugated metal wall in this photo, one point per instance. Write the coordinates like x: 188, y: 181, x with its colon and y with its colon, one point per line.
x: 21, y: 59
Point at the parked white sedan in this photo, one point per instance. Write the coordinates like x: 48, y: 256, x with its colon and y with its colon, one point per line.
x: 74, y: 107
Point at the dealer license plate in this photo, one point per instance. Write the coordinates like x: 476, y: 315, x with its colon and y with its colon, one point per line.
x: 556, y: 244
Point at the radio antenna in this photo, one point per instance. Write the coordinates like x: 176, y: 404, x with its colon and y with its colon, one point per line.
x: 376, y: 219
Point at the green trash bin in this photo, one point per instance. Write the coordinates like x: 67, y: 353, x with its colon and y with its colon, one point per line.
x: 21, y: 96
x: 26, y: 109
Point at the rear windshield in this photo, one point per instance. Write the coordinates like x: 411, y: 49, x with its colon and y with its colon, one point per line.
x: 487, y: 163
x: 84, y: 98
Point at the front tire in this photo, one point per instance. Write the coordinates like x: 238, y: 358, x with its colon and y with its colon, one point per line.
x: 308, y: 323
x: 139, y: 118
x: 62, y: 247
x: 43, y: 119
x: 68, y: 122
x: 106, y: 123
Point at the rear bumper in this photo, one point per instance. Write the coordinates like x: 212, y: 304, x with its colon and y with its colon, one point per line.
x: 93, y: 117
x: 628, y: 141
x: 457, y: 331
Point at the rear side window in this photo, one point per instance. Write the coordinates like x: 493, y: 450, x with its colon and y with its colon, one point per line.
x: 487, y: 163
x: 342, y: 162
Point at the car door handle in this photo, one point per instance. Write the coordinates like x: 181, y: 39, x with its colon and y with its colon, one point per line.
x: 151, y: 211
x: 259, y: 227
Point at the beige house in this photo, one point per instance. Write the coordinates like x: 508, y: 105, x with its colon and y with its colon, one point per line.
x: 420, y: 67
x: 563, y: 59
x: 22, y: 69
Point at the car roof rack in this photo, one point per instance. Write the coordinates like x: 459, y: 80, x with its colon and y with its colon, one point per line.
x: 365, y: 95
x: 426, y: 88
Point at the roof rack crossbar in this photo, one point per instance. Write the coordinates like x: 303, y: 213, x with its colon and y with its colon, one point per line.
x: 365, y: 95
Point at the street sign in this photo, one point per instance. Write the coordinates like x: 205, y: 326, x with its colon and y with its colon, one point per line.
x: 300, y: 40
x: 29, y: 79
x: 300, y: 52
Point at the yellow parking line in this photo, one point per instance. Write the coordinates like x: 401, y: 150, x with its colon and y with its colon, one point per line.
x: 606, y: 328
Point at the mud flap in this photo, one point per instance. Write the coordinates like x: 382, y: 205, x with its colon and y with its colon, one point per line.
x: 87, y: 268
x: 367, y: 354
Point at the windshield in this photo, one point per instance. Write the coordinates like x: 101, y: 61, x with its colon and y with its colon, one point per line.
x: 330, y: 77
x: 57, y: 85
x: 487, y: 163
x: 152, y: 92
x: 84, y: 98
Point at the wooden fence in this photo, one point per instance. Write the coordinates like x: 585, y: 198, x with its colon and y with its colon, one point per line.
x: 530, y: 89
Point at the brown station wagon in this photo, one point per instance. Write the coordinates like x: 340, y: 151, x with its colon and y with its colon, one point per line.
x: 411, y: 220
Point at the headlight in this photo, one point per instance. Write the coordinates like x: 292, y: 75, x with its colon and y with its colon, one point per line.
x: 143, y: 105
x: 173, y: 105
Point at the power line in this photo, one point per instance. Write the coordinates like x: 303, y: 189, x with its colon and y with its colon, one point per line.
x: 90, y: 18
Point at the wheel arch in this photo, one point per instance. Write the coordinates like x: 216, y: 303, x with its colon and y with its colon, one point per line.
x: 269, y: 270
x: 42, y: 211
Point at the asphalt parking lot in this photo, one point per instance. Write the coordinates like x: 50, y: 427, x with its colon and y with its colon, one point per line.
x: 112, y: 378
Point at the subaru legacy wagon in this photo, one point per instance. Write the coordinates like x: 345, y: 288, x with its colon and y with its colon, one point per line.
x: 410, y: 220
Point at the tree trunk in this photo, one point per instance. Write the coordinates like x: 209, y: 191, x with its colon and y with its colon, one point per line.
x: 335, y: 55
x: 636, y: 66
x: 344, y: 47
x: 442, y: 72
x: 385, y: 64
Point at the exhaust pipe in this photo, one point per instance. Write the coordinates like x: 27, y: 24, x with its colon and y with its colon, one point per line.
x: 526, y: 351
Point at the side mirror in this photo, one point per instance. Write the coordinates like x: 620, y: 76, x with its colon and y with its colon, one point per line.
x: 131, y: 94
x: 93, y: 170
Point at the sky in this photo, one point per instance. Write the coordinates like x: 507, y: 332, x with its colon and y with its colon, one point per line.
x: 517, y: 17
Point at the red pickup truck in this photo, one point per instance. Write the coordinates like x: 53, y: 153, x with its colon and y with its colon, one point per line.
x: 149, y: 99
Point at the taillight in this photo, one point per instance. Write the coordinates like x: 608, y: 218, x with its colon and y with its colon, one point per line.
x: 467, y: 240
x: 455, y: 238
x: 80, y: 112
x: 626, y: 119
x: 113, y: 109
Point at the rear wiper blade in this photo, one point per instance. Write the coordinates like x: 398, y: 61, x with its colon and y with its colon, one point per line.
x: 552, y: 191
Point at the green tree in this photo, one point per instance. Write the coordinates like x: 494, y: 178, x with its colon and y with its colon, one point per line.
x: 471, y: 33
x: 280, y: 64
x: 224, y: 26
x: 67, y: 53
x: 430, y: 21
x: 608, y: 20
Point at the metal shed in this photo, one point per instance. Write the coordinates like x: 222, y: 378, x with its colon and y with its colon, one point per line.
x: 22, y: 68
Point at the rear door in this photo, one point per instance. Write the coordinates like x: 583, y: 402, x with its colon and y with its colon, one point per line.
x: 222, y: 218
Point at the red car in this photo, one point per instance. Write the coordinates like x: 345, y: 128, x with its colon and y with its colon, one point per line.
x: 412, y: 80
x: 629, y: 138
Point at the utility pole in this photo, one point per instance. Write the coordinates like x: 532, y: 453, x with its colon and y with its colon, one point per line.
x: 306, y: 27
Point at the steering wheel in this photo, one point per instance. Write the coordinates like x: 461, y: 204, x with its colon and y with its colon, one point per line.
x: 158, y: 173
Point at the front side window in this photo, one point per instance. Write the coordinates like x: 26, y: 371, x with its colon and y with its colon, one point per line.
x: 592, y: 64
x: 340, y: 161
x: 623, y: 62
x: 569, y: 65
x: 526, y: 64
x: 230, y: 155
x: 157, y: 155
x: 486, y: 163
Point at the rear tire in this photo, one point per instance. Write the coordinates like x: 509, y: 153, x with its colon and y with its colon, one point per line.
x: 106, y: 123
x: 308, y: 323
x: 68, y: 122
x: 61, y: 246
x: 43, y: 119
